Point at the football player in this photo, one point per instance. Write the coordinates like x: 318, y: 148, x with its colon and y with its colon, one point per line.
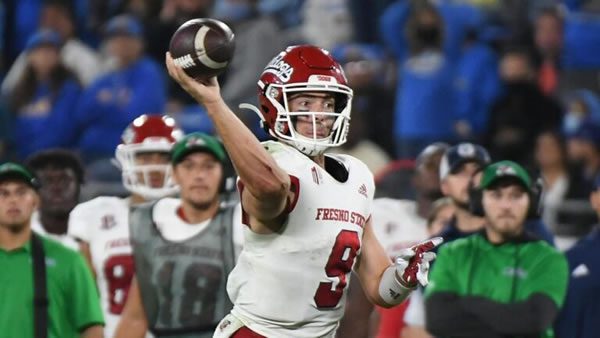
x: 184, y: 248
x: 102, y: 224
x: 61, y: 175
x: 307, y: 213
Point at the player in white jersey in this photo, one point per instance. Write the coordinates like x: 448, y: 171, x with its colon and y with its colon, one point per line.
x: 61, y: 174
x: 308, y: 215
x: 102, y: 224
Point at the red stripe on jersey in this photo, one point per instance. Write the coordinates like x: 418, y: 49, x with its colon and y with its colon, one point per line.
x: 245, y: 216
x: 295, y: 188
x: 245, y: 332
x: 290, y: 204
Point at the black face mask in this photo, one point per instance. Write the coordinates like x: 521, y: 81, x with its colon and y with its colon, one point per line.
x: 428, y: 35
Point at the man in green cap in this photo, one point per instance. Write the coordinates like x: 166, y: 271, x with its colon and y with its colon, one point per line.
x: 501, y: 282
x: 56, y: 299
x: 184, y: 248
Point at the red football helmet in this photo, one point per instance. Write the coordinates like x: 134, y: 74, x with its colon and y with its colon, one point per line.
x: 147, y: 133
x: 303, y: 68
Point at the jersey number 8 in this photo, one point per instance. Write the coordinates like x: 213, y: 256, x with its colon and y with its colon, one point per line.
x: 119, y: 272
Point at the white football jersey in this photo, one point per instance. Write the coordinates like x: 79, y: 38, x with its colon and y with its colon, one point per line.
x: 292, y: 283
x: 103, y: 223
x: 397, y: 225
x: 65, y: 239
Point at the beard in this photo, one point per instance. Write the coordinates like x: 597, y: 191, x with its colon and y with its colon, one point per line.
x: 506, y: 231
x: 15, y: 228
x: 202, y: 205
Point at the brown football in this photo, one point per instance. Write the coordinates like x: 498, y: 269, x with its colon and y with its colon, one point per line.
x: 202, y: 47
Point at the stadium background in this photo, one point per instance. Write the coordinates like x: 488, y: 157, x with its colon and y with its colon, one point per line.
x: 521, y: 78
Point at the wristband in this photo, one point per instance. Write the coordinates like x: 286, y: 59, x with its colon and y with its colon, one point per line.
x: 390, y: 289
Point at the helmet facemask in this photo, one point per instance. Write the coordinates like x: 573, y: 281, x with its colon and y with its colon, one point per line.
x: 285, y: 130
x: 137, y: 178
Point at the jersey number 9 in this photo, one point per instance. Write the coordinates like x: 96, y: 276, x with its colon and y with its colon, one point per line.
x: 339, y: 264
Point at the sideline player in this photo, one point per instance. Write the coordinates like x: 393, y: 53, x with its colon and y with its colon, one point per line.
x: 308, y: 214
x: 102, y: 224
x: 184, y: 248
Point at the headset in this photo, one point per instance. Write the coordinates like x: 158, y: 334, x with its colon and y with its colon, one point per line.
x: 536, y: 192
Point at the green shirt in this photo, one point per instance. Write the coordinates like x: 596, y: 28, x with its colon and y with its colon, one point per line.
x: 72, y: 295
x: 506, y: 273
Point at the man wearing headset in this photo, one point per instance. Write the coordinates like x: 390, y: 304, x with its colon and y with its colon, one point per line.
x: 502, y: 280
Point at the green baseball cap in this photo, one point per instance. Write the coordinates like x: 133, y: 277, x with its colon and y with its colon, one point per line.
x: 12, y: 170
x: 196, y: 142
x: 504, y: 169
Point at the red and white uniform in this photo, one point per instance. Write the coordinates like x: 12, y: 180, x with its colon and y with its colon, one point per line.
x: 103, y: 223
x: 292, y: 283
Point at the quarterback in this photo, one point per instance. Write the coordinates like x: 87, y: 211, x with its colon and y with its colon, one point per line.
x: 307, y: 213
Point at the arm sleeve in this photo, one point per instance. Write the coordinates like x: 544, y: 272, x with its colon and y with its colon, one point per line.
x: 446, y: 317
x: 84, y: 301
x: 534, y: 315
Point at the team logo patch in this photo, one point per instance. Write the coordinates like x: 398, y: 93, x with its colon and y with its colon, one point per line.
x: 580, y: 271
x: 466, y: 150
x: 107, y: 222
x: 195, y: 141
x: 505, y: 170
x: 224, y: 324
x: 316, y: 175
x: 363, y: 190
x: 280, y: 68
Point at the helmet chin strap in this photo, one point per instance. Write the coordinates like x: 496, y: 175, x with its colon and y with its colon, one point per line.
x: 305, y: 146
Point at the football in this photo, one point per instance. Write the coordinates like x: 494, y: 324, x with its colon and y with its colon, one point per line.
x: 202, y: 47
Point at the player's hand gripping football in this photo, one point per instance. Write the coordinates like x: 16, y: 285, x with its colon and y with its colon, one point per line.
x: 412, y: 265
x: 204, y: 91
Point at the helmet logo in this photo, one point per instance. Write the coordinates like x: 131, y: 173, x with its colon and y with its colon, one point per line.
x: 279, y: 68
x: 273, y: 92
